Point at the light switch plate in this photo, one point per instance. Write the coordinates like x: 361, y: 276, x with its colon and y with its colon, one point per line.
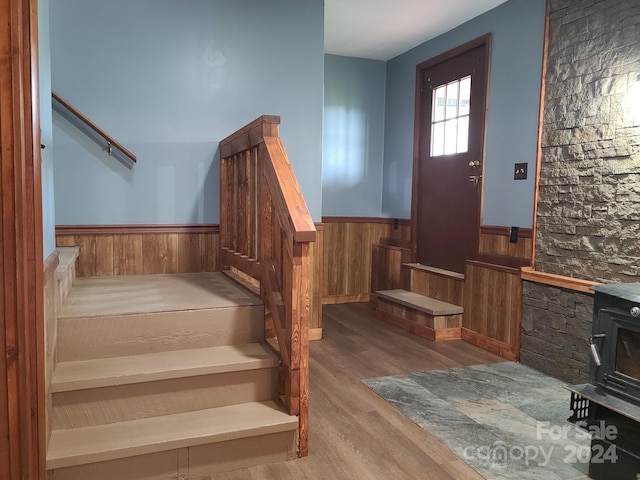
x: 520, y: 171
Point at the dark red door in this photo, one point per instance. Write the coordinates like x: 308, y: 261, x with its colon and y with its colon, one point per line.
x: 447, y: 194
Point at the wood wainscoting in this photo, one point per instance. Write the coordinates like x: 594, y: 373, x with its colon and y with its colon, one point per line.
x: 493, y: 308
x: 348, y: 244
x: 387, y: 259
x: 494, y: 240
x: 107, y: 250
x: 435, y: 283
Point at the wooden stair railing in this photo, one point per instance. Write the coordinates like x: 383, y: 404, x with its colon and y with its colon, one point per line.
x: 265, y: 236
x: 97, y: 134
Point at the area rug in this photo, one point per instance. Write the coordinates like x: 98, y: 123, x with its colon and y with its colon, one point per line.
x: 506, y: 420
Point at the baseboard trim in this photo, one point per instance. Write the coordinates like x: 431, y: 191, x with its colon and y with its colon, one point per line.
x: 506, y: 351
x: 315, y: 334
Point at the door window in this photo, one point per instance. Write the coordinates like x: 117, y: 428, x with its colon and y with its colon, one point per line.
x: 450, y: 117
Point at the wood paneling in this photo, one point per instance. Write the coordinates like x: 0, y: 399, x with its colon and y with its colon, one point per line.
x: 436, y: 284
x: 494, y: 240
x: 141, y: 249
x: 386, y: 267
x: 348, y: 247
x: 493, y: 308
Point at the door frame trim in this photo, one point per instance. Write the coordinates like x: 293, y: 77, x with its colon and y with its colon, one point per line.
x: 484, y: 40
x: 22, y: 369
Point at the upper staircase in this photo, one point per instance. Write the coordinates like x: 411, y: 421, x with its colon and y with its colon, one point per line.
x: 187, y: 375
x: 164, y: 376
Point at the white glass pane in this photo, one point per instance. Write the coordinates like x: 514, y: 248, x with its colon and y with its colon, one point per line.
x: 450, y: 136
x: 465, y: 96
x: 438, y: 103
x: 437, y: 139
x: 452, y: 99
x: 463, y: 134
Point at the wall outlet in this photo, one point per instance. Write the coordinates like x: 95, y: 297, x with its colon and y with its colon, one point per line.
x: 520, y: 171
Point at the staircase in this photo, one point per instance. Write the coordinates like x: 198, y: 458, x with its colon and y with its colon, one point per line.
x: 164, y: 377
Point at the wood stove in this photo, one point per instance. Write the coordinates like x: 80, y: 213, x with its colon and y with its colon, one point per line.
x: 610, y: 404
x: 615, y: 340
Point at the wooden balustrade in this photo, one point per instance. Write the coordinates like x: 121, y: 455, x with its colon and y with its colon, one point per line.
x: 265, y: 234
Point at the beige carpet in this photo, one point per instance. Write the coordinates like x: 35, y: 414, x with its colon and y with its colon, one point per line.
x: 128, y: 294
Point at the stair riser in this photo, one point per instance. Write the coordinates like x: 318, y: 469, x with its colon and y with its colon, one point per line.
x: 97, y: 406
x: 194, y: 463
x: 111, y: 336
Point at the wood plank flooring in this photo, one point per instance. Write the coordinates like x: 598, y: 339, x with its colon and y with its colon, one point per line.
x: 354, y: 434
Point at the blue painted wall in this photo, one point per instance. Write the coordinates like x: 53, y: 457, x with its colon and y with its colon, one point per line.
x: 46, y: 130
x: 170, y: 79
x: 512, y: 119
x: 353, y: 136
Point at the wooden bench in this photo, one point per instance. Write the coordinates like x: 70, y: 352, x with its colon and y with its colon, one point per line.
x: 423, y: 316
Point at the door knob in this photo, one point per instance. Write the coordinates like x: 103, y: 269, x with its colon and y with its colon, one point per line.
x: 475, y: 179
x: 474, y: 163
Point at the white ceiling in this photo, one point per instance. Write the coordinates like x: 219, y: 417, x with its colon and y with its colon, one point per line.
x: 383, y: 29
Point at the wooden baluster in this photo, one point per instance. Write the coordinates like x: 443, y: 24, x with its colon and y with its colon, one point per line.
x: 251, y: 201
x: 224, y: 211
x: 242, y: 202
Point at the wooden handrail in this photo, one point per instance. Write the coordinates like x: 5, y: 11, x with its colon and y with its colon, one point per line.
x: 84, y: 119
x: 265, y: 234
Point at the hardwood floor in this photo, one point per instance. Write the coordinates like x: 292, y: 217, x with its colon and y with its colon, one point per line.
x: 354, y: 434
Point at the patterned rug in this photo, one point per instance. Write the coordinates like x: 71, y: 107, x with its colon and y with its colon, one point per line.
x: 506, y: 420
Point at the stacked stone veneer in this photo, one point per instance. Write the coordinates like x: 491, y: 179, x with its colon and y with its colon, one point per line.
x: 588, y: 211
x: 556, y: 323
x: 588, y: 222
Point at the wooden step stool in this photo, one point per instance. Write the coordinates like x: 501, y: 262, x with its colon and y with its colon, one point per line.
x: 423, y: 316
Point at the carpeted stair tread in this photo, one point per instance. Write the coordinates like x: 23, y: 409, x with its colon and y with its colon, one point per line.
x: 138, y: 437
x: 103, y: 372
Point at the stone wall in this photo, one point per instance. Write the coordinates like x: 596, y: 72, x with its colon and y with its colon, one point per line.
x: 588, y: 221
x: 588, y: 211
x: 556, y: 323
